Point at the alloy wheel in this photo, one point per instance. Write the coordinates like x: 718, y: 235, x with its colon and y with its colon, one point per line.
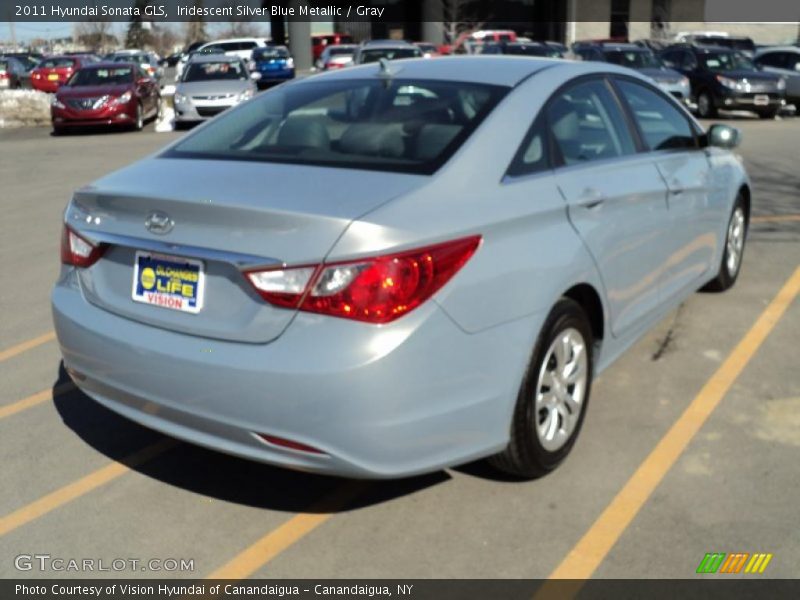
x: 735, y: 241
x: 560, y: 389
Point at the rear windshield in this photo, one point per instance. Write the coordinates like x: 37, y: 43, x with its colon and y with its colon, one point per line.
x: 735, y: 43
x: 403, y: 125
x: 212, y: 71
x: 339, y: 50
x: 101, y: 76
x: 132, y: 58
x: 728, y: 61
x: 375, y: 54
x: 634, y: 59
x: 61, y: 62
x: 267, y: 53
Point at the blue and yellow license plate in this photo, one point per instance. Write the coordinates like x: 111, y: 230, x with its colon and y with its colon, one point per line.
x: 168, y: 281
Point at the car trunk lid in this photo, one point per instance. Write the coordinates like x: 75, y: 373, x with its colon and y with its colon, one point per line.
x: 230, y: 215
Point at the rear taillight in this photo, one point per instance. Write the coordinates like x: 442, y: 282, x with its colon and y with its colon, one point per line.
x: 3, y: 75
x: 376, y: 290
x: 78, y: 251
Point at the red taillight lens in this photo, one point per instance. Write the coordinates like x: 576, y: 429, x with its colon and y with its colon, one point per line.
x: 77, y: 251
x: 375, y: 290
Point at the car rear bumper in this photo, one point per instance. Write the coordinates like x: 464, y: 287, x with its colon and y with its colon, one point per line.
x: 400, y: 399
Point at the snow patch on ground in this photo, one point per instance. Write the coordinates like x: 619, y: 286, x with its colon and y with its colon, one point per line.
x: 24, y: 108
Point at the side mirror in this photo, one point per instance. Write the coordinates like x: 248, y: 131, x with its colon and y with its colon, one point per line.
x: 723, y: 136
x: 255, y: 75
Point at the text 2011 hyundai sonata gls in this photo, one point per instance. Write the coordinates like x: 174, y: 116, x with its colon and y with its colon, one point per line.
x: 399, y: 267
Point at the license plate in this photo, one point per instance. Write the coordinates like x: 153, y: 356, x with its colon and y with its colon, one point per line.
x: 168, y: 281
x: 761, y: 100
x: 52, y: 77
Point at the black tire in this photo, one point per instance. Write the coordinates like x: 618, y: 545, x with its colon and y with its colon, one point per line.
x: 768, y: 114
x: 57, y: 131
x: 138, y: 123
x: 706, y: 109
x: 525, y: 456
x: 725, y: 279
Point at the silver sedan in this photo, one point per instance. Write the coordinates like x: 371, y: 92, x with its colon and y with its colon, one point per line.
x: 400, y: 267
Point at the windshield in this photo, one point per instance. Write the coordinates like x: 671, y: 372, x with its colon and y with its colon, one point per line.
x: 270, y: 53
x: 375, y: 54
x: 634, y: 59
x: 113, y: 76
x: 57, y: 63
x: 411, y: 126
x: 213, y: 71
x: 131, y: 58
x: 728, y: 61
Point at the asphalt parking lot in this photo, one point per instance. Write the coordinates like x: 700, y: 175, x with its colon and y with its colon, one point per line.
x: 690, y: 444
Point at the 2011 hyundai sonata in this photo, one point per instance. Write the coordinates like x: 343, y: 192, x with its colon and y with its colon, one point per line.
x: 400, y: 267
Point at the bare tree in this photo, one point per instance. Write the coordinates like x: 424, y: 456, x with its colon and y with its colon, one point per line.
x: 459, y: 16
x: 195, y: 28
x: 94, y: 34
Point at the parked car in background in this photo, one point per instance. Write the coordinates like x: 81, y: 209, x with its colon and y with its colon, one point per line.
x: 336, y: 57
x: 148, y: 61
x: 538, y: 49
x: 428, y: 50
x: 375, y: 50
x: 106, y: 94
x: 54, y: 71
x: 210, y: 84
x: 88, y: 57
x: 468, y: 42
x: 442, y: 262
x: 171, y: 60
x: 322, y: 40
x: 241, y: 47
x: 727, y: 79
x: 13, y: 75
x: 274, y: 63
x: 29, y: 60
x: 643, y: 60
x: 785, y: 62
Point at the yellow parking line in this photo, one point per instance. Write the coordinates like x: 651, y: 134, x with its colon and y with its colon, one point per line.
x: 82, y: 486
x: 774, y: 218
x: 273, y: 543
x: 592, y: 548
x: 25, y: 346
x: 38, y: 398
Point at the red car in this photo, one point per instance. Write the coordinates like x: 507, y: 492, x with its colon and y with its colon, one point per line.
x: 53, y: 71
x: 321, y: 41
x: 106, y: 94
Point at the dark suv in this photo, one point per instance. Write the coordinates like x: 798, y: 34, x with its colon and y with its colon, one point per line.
x: 727, y: 79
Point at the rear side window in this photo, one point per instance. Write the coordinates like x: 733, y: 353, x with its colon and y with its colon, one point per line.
x: 662, y: 125
x: 533, y: 155
x: 403, y: 125
x: 587, y: 124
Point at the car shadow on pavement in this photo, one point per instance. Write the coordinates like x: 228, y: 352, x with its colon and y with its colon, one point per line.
x: 214, y: 474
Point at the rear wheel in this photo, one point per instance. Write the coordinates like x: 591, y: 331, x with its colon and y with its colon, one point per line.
x: 138, y: 122
x: 553, y: 397
x: 734, y: 249
x: 705, y: 105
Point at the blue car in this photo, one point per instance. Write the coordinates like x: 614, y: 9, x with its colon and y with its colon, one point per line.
x: 447, y: 253
x: 273, y: 63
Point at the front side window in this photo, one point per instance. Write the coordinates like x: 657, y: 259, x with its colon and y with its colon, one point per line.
x: 662, y: 125
x: 402, y: 125
x: 587, y: 124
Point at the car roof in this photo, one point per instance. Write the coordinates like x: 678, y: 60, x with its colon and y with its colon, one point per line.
x: 215, y: 57
x: 768, y: 49
x: 500, y: 70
